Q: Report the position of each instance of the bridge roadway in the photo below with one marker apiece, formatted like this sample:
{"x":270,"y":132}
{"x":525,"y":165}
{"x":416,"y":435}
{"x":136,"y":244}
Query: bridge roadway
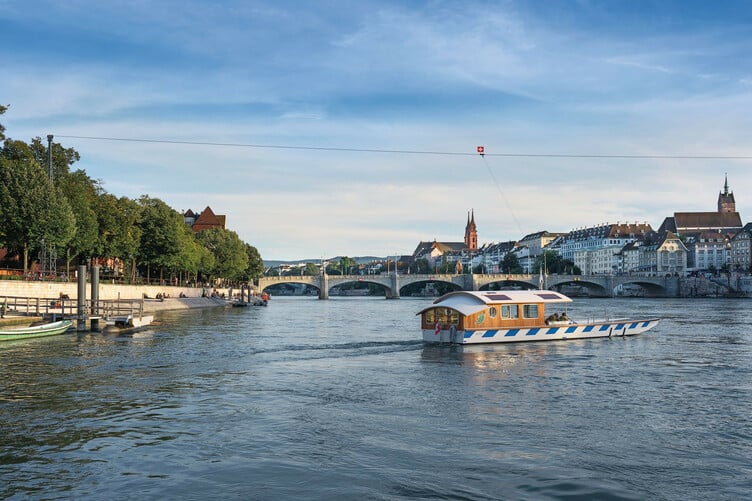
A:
{"x":595,"y":285}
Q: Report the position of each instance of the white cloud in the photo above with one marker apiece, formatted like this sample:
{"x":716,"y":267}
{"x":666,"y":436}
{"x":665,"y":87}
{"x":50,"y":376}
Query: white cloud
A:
{"x":418,"y":77}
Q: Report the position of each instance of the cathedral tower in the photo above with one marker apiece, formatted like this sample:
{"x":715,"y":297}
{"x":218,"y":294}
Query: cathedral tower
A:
{"x":471,"y":233}
{"x":726,"y":201}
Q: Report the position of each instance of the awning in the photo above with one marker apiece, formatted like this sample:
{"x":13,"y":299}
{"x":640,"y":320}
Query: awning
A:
{"x":467,"y":305}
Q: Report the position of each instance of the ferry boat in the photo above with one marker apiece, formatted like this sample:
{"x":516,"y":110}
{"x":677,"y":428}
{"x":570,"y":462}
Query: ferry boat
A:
{"x":472,"y":317}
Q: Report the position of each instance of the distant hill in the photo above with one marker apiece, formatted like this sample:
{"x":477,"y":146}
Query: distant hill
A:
{"x":271,"y":263}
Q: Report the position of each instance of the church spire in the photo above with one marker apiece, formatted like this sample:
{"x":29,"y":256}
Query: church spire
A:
{"x":726,"y":202}
{"x":471,"y":233}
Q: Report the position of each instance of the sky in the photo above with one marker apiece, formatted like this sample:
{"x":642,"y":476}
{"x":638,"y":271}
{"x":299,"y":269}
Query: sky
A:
{"x":350,"y":128}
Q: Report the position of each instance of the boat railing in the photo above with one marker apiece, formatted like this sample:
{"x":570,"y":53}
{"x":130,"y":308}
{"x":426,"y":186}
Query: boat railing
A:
{"x":64,"y":307}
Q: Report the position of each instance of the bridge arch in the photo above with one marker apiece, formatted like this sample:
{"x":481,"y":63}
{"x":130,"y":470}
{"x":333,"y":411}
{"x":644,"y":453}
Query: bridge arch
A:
{"x":592,"y":285}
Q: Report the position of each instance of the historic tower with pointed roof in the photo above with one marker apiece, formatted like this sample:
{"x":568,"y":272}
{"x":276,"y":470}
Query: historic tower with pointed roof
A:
{"x":471,"y":233}
{"x":726,"y":202}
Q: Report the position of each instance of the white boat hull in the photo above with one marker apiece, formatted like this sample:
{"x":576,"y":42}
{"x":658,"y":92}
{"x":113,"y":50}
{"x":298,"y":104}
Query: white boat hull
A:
{"x":128,"y":323}
{"x":616,"y":328}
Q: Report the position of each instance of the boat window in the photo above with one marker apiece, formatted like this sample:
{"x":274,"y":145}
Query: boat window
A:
{"x":445,"y":316}
{"x":530,"y":310}
{"x":492,"y":312}
{"x":430,"y":316}
{"x":509,"y":311}
{"x":454,"y":317}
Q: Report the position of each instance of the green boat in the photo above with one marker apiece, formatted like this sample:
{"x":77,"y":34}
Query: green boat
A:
{"x":50,"y":329}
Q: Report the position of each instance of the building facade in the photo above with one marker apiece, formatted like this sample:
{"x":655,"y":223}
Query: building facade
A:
{"x":741,"y":250}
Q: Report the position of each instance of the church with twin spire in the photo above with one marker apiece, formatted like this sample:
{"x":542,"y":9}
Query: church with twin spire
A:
{"x":432,"y":251}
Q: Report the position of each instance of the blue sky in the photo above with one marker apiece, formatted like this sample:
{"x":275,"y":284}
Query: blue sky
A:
{"x":646,"y":78}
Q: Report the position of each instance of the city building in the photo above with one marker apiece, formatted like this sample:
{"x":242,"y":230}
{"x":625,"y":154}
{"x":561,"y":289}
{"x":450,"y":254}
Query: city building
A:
{"x":450,"y":252}
{"x":708,"y":235}
{"x":710,"y":250}
{"x":724,"y":220}
{"x":606,"y":236}
{"x":741,"y":250}
{"x":539,"y":241}
{"x":492,"y":254}
{"x":204,"y":220}
{"x":671,"y":255}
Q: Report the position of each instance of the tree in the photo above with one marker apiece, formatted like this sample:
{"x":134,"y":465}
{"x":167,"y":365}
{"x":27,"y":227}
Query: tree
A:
{"x":255,"y":263}
{"x":446,"y":266}
{"x":421,"y":266}
{"x":553,"y":262}
{"x":194,"y":257}
{"x":311,"y":270}
{"x":160,"y":227}
{"x":32,"y":212}
{"x":230,"y":258}
{"x":81,"y":193}
{"x":346,"y":264}
{"x":17,"y":150}
{"x":118,"y":220}
{"x":510,"y":264}
{"x":3,"y":109}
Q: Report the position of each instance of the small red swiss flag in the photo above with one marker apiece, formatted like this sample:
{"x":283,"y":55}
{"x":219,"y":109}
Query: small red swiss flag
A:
{"x":481,"y":149}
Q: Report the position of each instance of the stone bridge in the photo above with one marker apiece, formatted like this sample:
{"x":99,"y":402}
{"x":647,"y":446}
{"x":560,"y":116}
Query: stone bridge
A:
{"x":591,"y":285}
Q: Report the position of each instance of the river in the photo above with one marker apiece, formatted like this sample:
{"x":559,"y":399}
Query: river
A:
{"x":339,"y":399}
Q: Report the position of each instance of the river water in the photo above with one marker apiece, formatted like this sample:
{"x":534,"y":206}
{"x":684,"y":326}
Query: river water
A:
{"x":339,"y":399}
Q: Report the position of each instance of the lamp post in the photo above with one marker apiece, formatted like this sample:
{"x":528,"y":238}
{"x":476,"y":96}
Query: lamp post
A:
{"x":49,"y":155}
{"x":53,"y":251}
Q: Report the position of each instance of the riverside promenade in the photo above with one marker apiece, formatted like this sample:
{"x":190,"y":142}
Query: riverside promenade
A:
{"x":47,"y":292}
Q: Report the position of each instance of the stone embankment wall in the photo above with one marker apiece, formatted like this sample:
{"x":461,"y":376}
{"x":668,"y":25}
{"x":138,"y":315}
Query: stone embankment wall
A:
{"x":721,"y":286}
{"x":107,"y":291}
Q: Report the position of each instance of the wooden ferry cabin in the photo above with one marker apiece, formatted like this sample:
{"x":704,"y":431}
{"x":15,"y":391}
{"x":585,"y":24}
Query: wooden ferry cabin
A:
{"x":466,"y":317}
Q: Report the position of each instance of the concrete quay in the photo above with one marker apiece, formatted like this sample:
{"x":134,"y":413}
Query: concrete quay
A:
{"x":51,"y":291}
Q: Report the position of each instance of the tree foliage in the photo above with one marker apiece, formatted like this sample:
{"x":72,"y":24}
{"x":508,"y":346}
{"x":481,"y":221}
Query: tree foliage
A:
{"x":74,"y":213}
{"x":230,"y":258}
{"x":32,"y":212}
{"x":552,"y":262}
{"x":510,"y":263}
{"x":3,"y":109}
{"x":255,"y":267}
{"x":62,"y":158}
{"x":81,"y":193}
{"x":160,"y":231}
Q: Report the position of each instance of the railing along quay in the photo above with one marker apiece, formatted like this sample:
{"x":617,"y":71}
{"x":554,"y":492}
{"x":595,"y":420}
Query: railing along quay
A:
{"x":64,"y":307}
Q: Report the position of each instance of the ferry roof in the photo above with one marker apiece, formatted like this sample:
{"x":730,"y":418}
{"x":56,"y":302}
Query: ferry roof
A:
{"x":469,"y":302}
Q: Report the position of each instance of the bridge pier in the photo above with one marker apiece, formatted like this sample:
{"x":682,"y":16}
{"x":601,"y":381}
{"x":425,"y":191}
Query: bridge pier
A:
{"x":394,"y":293}
{"x":324,"y":286}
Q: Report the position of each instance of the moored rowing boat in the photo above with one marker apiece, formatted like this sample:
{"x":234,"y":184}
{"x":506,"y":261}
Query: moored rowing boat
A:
{"x":48,"y":329}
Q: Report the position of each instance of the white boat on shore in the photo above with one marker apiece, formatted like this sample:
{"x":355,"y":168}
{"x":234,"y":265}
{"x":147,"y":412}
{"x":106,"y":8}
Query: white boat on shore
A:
{"x":474,"y":317}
